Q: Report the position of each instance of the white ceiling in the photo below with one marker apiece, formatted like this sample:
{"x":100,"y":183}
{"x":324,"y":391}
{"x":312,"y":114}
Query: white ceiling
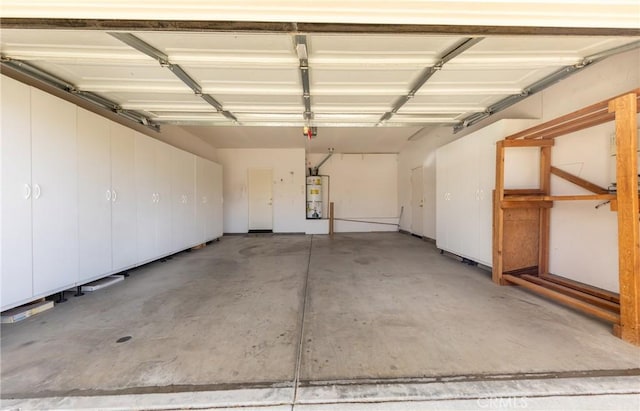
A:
{"x":355,"y":80}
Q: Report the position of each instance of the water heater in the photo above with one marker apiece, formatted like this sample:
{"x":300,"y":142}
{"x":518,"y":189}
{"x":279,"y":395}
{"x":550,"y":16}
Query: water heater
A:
{"x":314,"y":197}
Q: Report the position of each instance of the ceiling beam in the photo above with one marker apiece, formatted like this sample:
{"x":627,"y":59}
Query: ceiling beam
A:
{"x":428,"y":72}
{"x":162,"y":58}
{"x":542,"y":84}
{"x":288,"y":27}
{"x":44,"y":77}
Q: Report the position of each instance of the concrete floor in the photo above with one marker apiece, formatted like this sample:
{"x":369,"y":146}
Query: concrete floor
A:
{"x":278,"y":320}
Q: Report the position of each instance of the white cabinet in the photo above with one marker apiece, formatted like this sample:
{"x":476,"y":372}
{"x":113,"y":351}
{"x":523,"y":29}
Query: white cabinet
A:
{"x":214,"y":222}
{"x":17,"y":192}
{"x":55,"y":192}
{"x":123,"y":198}
{"x":209,"y":200}
{"x":153,"y":175}
{"x":94,"y":195}
{"x":183,"y":192}
{"x":39,"y":194}
{"x":163,"y":199}
{"x":444,"y":168}
{"x":83,"y":197}
{"x":465,"y":179}
{"x":106,"y":197}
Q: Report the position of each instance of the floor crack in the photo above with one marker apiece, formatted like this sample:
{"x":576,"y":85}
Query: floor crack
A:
{"x":296,"y":377}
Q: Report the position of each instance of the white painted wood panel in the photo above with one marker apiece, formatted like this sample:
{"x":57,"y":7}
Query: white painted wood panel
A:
{"x":55,"y":191}
{"x":16,"y":240}
{"x":123,"y":197}
{"x":94,"y":196}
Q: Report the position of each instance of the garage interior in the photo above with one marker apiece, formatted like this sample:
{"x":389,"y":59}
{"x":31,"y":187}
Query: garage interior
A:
{"x":322,"y":207}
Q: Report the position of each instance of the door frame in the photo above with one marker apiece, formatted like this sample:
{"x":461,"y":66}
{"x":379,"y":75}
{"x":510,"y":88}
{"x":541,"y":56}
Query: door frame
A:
{"x":412,"y":229}
{"x":249,"y":171}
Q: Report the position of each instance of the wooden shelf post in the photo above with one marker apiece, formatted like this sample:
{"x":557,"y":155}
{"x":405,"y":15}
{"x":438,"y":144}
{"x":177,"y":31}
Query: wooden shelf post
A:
{"x":625,"y":109}
{"x":498,"y":215}
{"x":545,"y":213}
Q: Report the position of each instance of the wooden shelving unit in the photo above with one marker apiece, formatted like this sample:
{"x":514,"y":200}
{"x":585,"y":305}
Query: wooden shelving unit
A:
{"x":521,"y":217}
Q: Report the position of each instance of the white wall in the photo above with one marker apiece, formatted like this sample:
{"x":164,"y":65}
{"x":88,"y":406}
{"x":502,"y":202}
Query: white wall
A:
{"x":583,"y":239}
{"x":362,"y":187}
{"x":288,"y":167}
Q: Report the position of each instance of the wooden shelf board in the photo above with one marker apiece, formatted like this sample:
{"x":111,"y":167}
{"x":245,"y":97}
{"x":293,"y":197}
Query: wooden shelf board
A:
{"x":526,"y":204}
{"x":572,"y":292}
{"x":562,"y":197}
{"x":565,"y":299}
{"x":585,"y":288}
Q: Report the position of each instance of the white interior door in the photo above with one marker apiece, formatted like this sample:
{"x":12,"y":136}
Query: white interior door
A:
{"x":55,"y":193}
{"x":417,"y":201}
{"x":94,"y":195}
{"x":16,"y":240}
{"x":123,"y":200}
{"x":260,"y":199}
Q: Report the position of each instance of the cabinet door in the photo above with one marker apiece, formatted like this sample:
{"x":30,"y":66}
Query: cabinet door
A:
{"x":442,"y":196}
{"x":216,"y":201}
{"x":183,"y":200}
{"x":146,"y":197}
{"x":94,"y":195}
{"x":55,"y":193}
{"x":123,"y":197}
{"x":191,"y":232}
{"x":15,"y":243}
{"x":486,"y":184}
{"x":203,"y":200}
{"x":163,"y":176}
{"x":468,"y":201}
{"x":455,"y":221}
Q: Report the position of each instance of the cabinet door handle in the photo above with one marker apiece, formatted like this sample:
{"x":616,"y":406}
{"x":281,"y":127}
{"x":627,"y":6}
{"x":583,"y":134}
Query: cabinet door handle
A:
{"x":153,"y":197}
{"x":157,"y":197}
{"x":36,"y":191}
{"x":27,"y":191}
{"x":114,"y":195}
{"x":108,"y":195}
